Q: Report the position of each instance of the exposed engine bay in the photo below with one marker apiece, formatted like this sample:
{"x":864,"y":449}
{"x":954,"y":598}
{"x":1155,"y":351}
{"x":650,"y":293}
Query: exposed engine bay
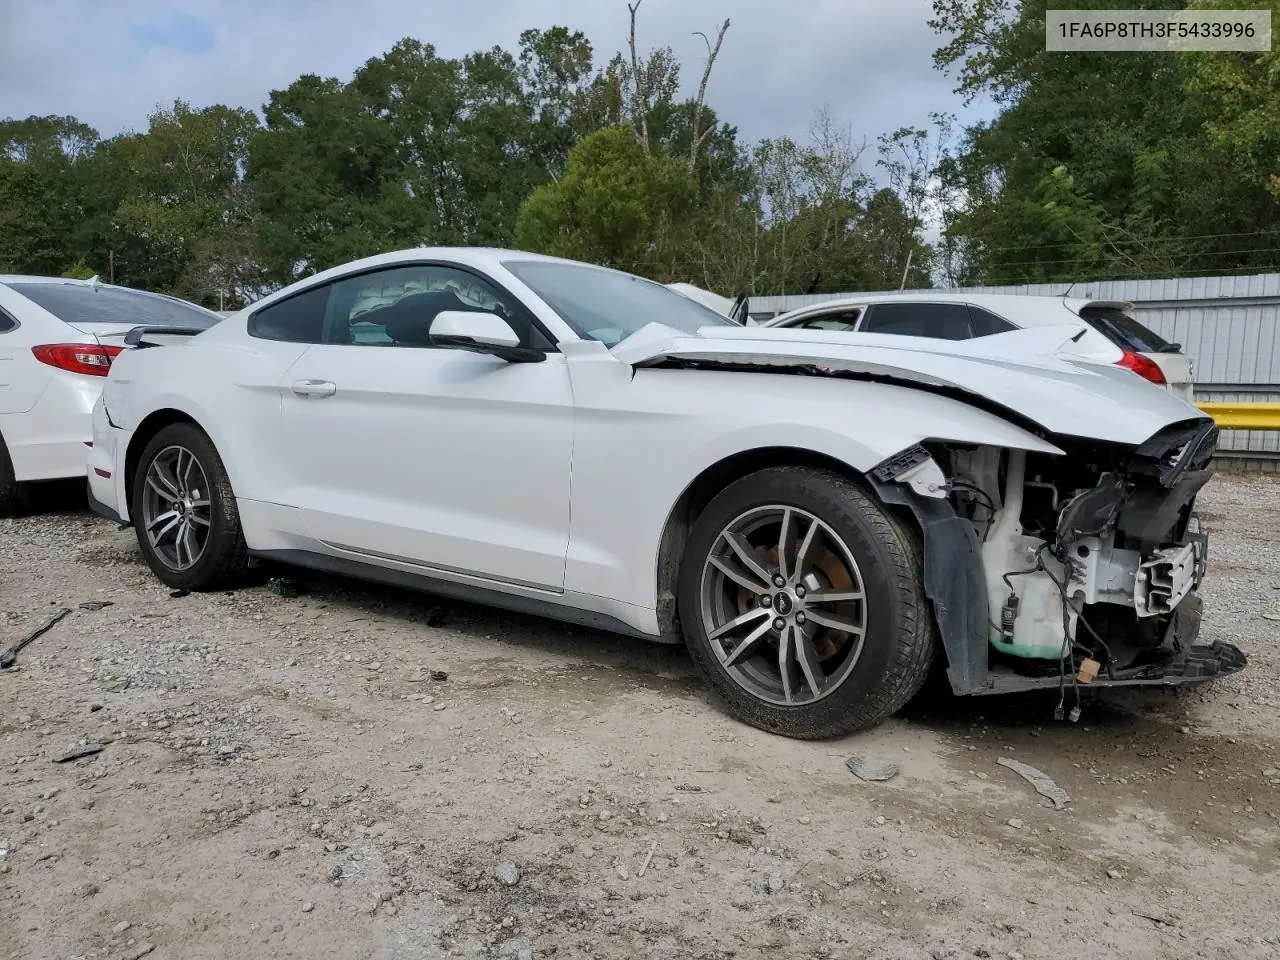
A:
{"x":1088,"y":562}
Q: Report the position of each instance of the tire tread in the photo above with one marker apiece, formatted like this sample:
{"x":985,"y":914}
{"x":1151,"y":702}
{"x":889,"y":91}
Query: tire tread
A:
{"x":228,"y":562}
{"x":915,"y":642}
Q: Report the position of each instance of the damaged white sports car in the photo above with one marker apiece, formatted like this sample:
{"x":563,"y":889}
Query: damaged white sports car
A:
{"x":820,"y":518}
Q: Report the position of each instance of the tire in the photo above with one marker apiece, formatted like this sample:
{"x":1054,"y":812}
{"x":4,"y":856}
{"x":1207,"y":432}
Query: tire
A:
{"x":223,"y":557}
{"x":14,"y":495}
{"x":860,"y":681}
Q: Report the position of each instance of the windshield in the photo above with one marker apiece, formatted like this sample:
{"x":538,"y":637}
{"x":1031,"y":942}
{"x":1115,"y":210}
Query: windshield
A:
{"x":609,"y":306}
{"x":82,"y":303}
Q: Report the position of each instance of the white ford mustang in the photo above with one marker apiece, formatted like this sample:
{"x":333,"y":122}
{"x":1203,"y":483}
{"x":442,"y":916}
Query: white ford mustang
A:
{"x":821,"y":517}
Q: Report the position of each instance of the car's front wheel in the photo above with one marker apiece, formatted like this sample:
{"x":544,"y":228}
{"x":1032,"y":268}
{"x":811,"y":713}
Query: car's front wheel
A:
{"x":801,"y":601}
{"x":184,"y":511}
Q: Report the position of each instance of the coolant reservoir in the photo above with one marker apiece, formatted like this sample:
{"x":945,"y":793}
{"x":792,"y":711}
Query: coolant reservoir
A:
{"x":1038,"y":629}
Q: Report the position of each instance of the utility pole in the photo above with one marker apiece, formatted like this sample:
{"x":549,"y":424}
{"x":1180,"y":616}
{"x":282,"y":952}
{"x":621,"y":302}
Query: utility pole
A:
{"x":111,"y":266}
{"x":906,"y":270}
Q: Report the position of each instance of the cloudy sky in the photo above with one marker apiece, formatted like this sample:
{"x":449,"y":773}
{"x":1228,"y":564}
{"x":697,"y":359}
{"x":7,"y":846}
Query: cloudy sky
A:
{"x":109,"y":62}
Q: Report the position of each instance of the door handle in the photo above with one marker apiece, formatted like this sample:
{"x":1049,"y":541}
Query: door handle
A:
{"x":314,"y":388}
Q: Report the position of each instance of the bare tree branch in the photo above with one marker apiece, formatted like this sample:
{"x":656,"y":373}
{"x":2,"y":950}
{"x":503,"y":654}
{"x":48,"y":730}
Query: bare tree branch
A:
{"x":640,"y":115}
{"x":700,"y":137}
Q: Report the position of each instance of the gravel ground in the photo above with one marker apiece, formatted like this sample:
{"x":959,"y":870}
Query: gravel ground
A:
{"x":360,"y":772}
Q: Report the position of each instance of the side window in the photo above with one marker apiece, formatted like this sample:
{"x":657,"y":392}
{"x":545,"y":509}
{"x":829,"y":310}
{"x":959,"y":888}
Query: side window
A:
{"x":939,"y":321}
{"x":298,"y":319}
{"x":7,"y":322}
{"x":985,"y":323}
{"x":844,"y":321}
{"x":395,"y":307}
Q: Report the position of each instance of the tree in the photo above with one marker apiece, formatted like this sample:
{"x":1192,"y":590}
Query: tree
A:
{"x":615,"y":204}
{"x":915,"y":160}
{"x":172,"y":188}
{"x":1240,"y":90}
{"x":43,"y":192}
{"x":79,"y":271}
{"x":811,"y":199}
{"x":416,"y":148}
{"x":1105,"y":119}
{"x":650,"y":84}
{"x":555,"y":72}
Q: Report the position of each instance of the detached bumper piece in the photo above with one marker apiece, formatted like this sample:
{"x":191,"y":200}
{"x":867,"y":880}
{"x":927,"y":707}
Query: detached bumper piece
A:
{"x":1202,"y":662}
{"x":1177,"y":661}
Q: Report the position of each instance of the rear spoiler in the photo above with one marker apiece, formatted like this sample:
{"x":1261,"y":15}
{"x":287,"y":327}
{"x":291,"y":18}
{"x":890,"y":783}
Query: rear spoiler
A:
{"x":134,"y":338}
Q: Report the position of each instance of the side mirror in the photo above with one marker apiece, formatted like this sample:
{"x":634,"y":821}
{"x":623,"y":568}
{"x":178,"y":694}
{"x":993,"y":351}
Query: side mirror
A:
{"x":462,"y":328}
{"x":481,"y":333}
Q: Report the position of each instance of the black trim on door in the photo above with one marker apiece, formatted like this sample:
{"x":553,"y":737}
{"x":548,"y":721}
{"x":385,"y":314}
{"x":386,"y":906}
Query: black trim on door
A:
{"x":462,"y":268}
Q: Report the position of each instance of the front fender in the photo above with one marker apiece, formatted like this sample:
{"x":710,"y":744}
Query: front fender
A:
{"x":644,"y":438}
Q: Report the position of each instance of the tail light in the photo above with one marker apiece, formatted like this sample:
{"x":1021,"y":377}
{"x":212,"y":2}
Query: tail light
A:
{"x":91,"y":359}
{"x":1144,"y":367}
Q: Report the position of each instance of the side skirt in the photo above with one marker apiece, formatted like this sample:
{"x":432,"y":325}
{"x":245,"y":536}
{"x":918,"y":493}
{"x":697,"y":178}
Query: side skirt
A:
{"x":472,"y":593}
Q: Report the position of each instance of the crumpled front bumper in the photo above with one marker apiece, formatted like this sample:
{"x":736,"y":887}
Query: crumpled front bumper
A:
{"x":1178,"y":660}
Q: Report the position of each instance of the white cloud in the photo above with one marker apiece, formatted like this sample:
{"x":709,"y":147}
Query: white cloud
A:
{"x":869,"y":60}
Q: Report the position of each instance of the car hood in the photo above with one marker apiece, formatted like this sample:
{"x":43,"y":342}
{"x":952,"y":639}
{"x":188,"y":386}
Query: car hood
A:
{"x":1030,"y":373}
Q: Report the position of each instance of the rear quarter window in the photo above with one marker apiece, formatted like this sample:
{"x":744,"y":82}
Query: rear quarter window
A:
{"x":296,"y":319}
{"x":985,"y":323}
{"x":1126,"y":332}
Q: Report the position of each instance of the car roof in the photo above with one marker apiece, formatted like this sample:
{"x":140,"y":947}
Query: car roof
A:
{"x":7,"y":278}
{"x":1023,"y":308}
{"x":474,"y":256}
{"x":481,"y":258}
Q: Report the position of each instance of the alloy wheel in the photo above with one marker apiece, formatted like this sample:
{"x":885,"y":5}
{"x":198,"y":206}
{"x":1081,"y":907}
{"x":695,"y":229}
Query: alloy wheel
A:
{"x":176,"y":511}
{"x":783,"y":604}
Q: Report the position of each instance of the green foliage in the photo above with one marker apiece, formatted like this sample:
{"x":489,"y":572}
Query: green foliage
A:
{"x":615,"y":204}
{"x":1241,"y":92}
{"x":1097,"y":164}
{"x":79,"y":271}
{"x":1100,"y":163}
{"x":43,"y":192}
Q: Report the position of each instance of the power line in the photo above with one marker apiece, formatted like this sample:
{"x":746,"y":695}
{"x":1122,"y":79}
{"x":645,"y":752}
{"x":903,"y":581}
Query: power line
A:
{"x":1203,"y":254}
{"x":1206,"y":236}
{"x":1122,"y":275}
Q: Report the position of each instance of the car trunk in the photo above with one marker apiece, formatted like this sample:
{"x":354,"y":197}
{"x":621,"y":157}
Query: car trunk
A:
{"x":1114,"y":322}
{"x":107,"y":333}
{"x":112,"y":334}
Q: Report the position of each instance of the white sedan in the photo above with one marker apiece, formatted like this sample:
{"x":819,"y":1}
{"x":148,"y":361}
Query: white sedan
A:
{"x":819,"y":517}
{"x":1110,"y":332}
{"x":57,"y":340}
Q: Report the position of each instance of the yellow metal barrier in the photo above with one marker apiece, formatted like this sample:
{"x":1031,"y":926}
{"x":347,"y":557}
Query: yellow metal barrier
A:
{"x":1244,"y":416}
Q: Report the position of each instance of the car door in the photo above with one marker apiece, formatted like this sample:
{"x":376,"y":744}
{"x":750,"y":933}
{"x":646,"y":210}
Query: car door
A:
{"x":443,"y":458}
{"x":22,"y":377}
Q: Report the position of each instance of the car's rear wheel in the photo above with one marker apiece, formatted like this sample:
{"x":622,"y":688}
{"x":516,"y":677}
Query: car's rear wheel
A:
{"x":13,"y":494}
{"x":184,"y":512}
{"x":801,"y":601}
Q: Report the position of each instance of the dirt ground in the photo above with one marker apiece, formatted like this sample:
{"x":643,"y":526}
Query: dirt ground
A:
{"x":283,"y":777}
